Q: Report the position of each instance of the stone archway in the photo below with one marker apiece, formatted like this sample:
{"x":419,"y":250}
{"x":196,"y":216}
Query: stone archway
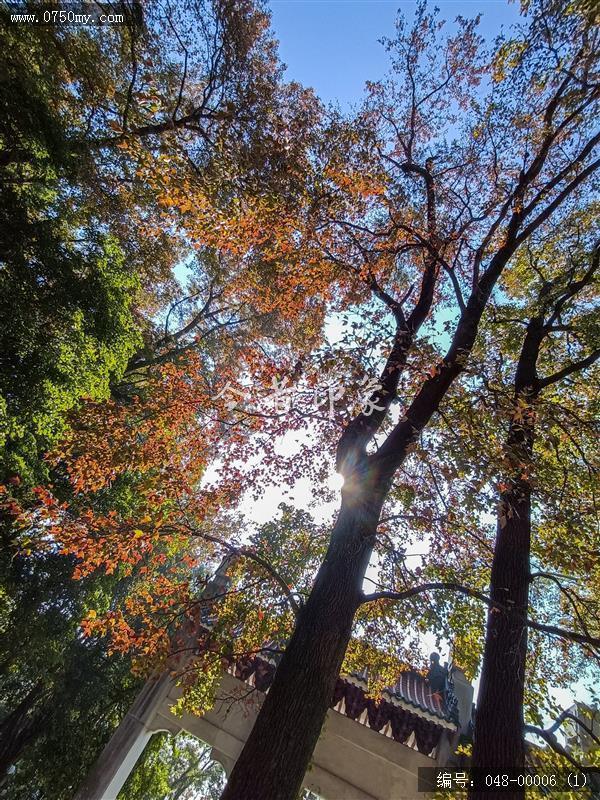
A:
{"x":367,"y":750}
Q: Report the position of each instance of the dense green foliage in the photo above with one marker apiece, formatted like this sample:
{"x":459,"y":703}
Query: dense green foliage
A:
{"x":67,"y":330}
{"x":66,"y":309}
{"x":59,"y":684}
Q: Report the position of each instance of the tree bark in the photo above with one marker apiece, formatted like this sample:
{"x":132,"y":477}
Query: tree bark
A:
{"x":499,"y":743}
{"x":274,"y":760}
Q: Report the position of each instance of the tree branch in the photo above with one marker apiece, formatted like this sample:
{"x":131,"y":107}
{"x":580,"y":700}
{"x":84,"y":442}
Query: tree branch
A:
{"x":247,"y":552}
{"x":567,"y":715}
{"x":553,"y":630}
{"x":551,"y":739}
{"x":359,"y":431}
{"x":576,"y":366}
{"x":426,"y":587}
{"x":562,"y":633}
{"x":457,"y":290}
{"x":558,"y":200}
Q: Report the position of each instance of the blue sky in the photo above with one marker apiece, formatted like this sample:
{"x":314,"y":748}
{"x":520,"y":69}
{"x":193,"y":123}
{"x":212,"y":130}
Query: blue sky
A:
{"x":332,"y":45}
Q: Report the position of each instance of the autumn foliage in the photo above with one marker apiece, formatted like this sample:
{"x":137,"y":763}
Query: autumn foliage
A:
{"x":407,"y":294}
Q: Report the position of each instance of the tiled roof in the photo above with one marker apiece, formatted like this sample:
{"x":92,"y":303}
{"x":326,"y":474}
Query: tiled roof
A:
{"x":407,"y":712}
{"x":412,"y":688}
{"x":412,"y":692}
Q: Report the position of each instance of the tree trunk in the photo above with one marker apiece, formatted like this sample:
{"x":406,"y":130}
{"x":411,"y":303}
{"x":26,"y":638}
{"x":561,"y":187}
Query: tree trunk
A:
{"x":499,"y":743}
{"x":273,"y":762}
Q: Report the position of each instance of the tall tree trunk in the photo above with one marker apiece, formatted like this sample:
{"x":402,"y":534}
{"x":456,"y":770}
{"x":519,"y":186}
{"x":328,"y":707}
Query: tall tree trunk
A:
{"x":499,"y":743}
{"x":274,"y":760}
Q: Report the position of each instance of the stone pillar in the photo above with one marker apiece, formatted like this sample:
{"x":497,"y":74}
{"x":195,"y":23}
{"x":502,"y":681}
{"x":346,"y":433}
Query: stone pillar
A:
{"x":127,"y":743}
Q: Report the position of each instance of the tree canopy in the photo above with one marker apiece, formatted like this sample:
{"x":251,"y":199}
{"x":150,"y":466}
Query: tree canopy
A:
{"x":446,"y":230}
